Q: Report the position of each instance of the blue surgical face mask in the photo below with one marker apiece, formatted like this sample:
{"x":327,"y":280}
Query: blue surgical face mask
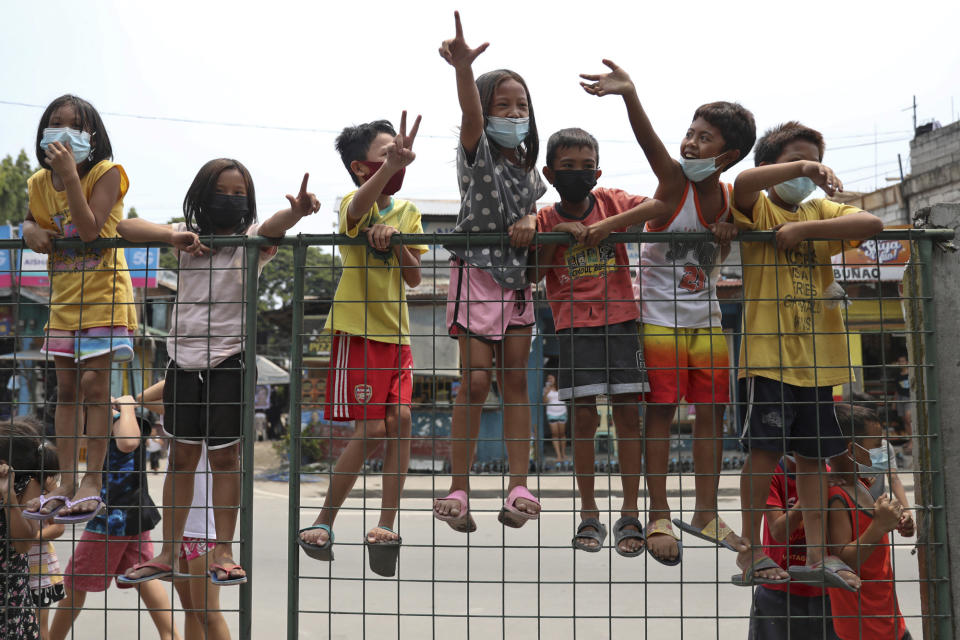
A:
{"x":508,"y":132}
{"x":879,"y":462}
{"x":79,"y":141}
{"x":698,"y":169}
{"x":795,"y":191}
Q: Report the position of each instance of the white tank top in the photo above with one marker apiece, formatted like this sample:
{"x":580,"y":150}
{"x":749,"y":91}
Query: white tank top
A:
{"x":200,"y":523}
{"x":678,"y":279}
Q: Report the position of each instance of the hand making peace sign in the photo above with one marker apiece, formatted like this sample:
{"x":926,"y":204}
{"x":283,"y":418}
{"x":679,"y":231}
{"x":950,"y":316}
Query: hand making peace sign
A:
{"x":456,"y":51}
{"x":400,"y":152}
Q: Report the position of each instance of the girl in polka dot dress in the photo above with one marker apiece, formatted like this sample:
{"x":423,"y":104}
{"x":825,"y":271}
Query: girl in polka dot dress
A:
{"x":489,"y":306}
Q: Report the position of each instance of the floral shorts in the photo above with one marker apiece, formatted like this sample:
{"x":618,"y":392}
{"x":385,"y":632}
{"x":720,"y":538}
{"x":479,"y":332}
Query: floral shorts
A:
{"x":90,"y":343}
{"x":193,"y":548}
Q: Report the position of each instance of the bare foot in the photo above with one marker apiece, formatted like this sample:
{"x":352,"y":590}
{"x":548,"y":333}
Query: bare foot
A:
{"x":631,"y":545}
{"x":230,"y":570}
{"x":748,"y":558}
{"x":583,"y":540}
{"x":663,"y":546}
{"x":142,"y":571}
{"x":447,"y":507}
{"x":527,"y":506}
{"x":89,"y":488}
{"x":316,"y":537}
{"x":703,"y":518}
{"x":380,"y":534}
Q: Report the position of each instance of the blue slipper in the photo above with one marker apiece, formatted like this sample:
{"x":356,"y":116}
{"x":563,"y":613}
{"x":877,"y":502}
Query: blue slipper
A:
{"x":323,"y":551}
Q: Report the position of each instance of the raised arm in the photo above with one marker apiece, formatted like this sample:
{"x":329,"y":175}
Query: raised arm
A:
{"x":20,"y":531}
{"x":751,"y":182}
{"x":460,"y":56}
{"x":152,"y":397}
{"x":126,"y":428}
{"x":399,"y":155}
{"x":618,"y":82}
{"x":304,"y":204}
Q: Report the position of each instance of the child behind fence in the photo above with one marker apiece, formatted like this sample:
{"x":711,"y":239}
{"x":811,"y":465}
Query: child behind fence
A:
{"x":21,"y":479}
{"x":78,"y":193}
{"x":46,"y":579}
{"x":204,"y":384}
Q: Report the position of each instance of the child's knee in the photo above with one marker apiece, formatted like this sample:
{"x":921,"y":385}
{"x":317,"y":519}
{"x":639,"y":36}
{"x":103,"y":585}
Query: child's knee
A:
{"x":399,"y":421}
{"x":66,"y":393}
{"x":479,"y":386}
{"x":515,"y":381}
{"x":95,"y":385}
{"x":376,"y":428}
{"x":225,"y":459}
{"x":184,"y":457}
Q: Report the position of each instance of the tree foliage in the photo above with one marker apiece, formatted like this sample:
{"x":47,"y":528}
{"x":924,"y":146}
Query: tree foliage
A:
{"x":13,"y":188}
{"x":320,"y":278}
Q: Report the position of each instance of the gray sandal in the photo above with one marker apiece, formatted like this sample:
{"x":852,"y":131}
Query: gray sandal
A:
{"x":620,"y":533}
{"x":598,"y":533}
{"x":825,"y":572}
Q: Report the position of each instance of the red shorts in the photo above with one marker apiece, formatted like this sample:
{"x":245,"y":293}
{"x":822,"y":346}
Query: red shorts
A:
{"x":98,"y":558}
{"x":686,"y":363}
{"x":366,"y":377}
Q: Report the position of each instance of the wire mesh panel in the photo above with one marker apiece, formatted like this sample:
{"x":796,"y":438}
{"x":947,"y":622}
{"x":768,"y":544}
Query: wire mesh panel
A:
{"x":526,"y":478}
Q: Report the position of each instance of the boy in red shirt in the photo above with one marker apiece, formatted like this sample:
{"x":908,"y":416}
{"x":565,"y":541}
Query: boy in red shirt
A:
{"x":791,"y":610}
{"x":858,"y":533}
{"x":591,"y":296}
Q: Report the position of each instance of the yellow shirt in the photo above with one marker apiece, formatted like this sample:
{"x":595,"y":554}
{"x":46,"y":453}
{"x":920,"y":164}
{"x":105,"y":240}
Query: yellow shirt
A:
{"x":791,"y":333}
{"x":89,"y":287}
{"x":371,"y":299}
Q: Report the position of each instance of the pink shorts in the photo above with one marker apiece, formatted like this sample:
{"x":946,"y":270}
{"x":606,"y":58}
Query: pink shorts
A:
{"x":479,"y":307}
{"x":98,"y":558}
{"x":90,"y":343}
{"x":366,"y":377}
{"x":193,"y":548}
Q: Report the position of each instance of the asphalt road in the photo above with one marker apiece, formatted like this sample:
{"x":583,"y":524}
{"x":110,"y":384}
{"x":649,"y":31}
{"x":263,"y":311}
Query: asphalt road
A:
{"x":495,"y":583}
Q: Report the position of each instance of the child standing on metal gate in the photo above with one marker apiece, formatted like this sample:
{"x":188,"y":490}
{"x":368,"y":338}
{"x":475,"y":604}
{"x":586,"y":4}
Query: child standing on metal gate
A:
{"x":490,"y":304}
{"x":684,"y":345}
{"x":794,"y":348}
{"x":591,"y":297}
{"x":203,"y":389}
{"x":78,"y":193}
{"x":371,"y":365}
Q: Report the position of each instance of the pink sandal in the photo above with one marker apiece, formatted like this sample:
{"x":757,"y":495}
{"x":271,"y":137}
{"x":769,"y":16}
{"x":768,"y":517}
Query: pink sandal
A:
{"x":513,"y":517}
{"x":463,"y":522}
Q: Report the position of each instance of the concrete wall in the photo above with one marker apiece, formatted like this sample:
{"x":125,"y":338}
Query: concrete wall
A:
{"x":934,"y":168}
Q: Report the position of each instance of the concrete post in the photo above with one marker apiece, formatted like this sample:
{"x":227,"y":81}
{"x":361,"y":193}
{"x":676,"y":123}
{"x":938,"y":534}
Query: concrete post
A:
{"x":932,"y":314}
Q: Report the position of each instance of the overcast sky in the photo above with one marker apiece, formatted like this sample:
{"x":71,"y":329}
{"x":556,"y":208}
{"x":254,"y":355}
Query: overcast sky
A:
{"x":291,"y":75}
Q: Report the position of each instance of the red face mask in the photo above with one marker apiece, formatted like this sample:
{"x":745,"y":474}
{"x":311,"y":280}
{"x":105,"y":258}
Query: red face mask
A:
{"x":393,"y":185}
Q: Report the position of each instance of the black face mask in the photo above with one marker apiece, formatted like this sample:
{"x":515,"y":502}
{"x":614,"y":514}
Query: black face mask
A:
{"x":226,"y":211}
{"x":574,"y":185}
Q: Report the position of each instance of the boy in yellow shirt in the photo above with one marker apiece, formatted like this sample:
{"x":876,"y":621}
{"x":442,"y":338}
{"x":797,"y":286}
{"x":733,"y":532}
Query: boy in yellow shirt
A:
{"x":371,"y":366}
{"x":794,"y":348}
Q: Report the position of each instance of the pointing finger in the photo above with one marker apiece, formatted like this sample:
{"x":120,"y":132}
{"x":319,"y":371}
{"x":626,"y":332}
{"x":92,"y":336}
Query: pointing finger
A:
{"x":459,"y":27}
{"x":303,"y":185}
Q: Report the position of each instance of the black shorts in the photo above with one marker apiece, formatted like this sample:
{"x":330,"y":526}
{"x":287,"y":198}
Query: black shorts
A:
{"x":786,"y":418}
{"x":46,"y":596}
{"x":206,"y":404}
{"x":775,"y":617}
{"x":605,"y":360}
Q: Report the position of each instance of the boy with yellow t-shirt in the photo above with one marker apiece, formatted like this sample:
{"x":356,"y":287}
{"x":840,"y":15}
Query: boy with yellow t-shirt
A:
{"x":371,"y":367}
{"x":794,"y":348}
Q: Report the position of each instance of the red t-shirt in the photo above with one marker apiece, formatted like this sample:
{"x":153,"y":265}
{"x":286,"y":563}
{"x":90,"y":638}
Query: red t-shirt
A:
{"x":872,"y":612}
{"x":783,"y":494}
{"x":589,"y":287}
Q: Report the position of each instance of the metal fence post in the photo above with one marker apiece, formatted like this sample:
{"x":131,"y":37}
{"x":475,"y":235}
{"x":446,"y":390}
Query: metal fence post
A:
{"x":252,"y":254}
{"x":293,"y":452}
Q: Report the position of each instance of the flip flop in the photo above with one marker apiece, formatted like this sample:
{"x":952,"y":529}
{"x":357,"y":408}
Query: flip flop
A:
{"x":39,"y":514}
{"x":825,"y":572}
{"x":620,"y":533}
{"x":323,"y":551}
{"x":80,"y":518}
{"x":663,"y":526}
{"x":716,"y":531}
{"x":164,"y":571}
{"x":464,"y":522}
{"x":599,"y":533}
{"x":513,"y":517}
{"x":764,"y":562}
{"x":228,"y":569}
{"x":384,"y":554}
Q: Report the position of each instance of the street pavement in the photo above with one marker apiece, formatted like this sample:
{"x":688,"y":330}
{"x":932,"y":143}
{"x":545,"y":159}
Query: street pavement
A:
{"x":495,"y":583}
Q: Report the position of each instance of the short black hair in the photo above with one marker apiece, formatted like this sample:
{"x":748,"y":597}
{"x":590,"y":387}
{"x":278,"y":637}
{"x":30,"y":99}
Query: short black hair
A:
{"x":203,"y":188}
{"x":854,"y":418}
{"x":771,"y":145}
{"x":353,"y":143}
{"x":572,"y":138}
{"x":90,"y":121}
{"x":487,"y":85}
{"x":22,"y":447}
{"x":736,"y":125}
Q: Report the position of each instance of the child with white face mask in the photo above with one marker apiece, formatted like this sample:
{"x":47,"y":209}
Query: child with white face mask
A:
{"x":78,"y":193}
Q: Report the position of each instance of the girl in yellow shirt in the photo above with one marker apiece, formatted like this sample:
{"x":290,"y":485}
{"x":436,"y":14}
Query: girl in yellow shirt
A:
{"x":78,"y":193}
